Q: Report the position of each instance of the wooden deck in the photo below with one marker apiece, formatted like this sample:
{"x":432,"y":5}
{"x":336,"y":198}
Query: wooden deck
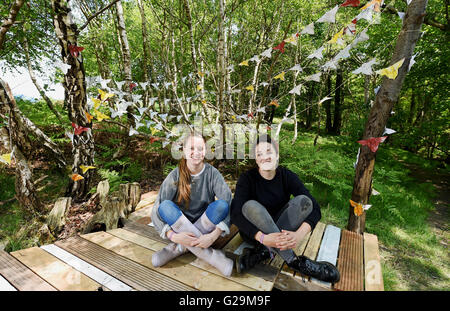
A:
{"x":120,"y":260}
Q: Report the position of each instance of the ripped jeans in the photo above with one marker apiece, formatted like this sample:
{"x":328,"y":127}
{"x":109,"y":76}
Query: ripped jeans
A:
{"x":290,"y":218}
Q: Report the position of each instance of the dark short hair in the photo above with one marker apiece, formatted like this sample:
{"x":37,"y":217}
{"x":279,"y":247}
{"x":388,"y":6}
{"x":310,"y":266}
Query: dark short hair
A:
{"x":265,"y":138}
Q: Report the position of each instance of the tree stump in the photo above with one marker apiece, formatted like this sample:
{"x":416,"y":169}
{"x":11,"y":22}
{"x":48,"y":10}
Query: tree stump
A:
{"x":113,"y":206}
{"x":56,"y":219}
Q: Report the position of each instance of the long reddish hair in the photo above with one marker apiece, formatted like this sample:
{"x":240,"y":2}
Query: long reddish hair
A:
{"x":184,"y":179}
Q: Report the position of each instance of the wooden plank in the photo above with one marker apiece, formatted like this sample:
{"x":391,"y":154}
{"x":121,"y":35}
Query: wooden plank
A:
{"x":222,"y":241}
{"x":20,"y":276}
{"x":328,"y":249}
{"x":233,"y":244}
{"x":5,"y":286}
{"x":144,"y":230}
{"x":187,"y":274}
{"x":287,"y":282}
{"x":247,"y":280}
{"x":94,"y":273}
{"x":59,"y":274}
{"x":372,"y":268}
{"x":312,"y":248}
{"x":122,"y":268}
{"x":350,"y":262}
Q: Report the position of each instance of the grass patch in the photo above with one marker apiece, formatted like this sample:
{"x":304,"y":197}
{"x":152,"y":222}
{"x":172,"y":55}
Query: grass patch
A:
{"x":412,"y":257}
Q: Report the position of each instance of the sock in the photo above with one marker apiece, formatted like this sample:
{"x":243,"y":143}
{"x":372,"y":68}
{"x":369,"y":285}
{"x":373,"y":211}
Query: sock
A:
{"x":204,"y":224}
{"x":168,"y":253}
{"x":212,"y":256}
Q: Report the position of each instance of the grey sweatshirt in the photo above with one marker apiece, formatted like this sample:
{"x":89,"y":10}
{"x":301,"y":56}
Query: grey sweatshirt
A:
{"x":205,"y":186}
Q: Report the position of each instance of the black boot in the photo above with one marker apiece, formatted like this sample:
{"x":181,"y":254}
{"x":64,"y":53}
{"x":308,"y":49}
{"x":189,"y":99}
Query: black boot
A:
{"x":250,"y":257}
{"x":320,"y":270}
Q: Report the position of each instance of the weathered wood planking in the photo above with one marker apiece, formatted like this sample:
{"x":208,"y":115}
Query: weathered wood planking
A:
{"x":187,"y":274}
{"x":94,"y":273}
{"x":20,"y":276}
{"x":328,"y":249}
{"x":59,"y":274}
{"x":372,"y":267}
{"x":122,"y":268}
{"x":312,"y":248}
{"x":6,"y":286}
{"x":188,"y":258}
{"x":350,"y":262}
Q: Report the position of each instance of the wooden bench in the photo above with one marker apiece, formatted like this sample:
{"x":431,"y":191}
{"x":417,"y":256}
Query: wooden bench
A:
{"x":120,"y":259}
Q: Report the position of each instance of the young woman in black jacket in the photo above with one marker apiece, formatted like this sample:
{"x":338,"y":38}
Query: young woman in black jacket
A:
{"x":269,"y":219}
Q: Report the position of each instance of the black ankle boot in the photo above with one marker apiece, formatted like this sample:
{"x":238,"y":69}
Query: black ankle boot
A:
{"x":250,"y":257}
{"x":320,"y":270}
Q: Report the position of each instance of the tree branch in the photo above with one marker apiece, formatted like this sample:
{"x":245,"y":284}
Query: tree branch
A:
{"x":96,"y":14}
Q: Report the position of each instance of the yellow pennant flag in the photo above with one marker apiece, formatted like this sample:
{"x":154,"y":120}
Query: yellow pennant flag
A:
{"x":244,"y":63}
{"x":153,"y":130}
{"x":336,"y":36}
{"x":97,"y":102}
{"x":6,"y":158}
{"x":250,"y":88}
{"x":201,"y":74}
{"x":392,"y":71}
{"x":280,"y":76}
{"x":86,"y":168}
{"x":203,"y":101}
{"x":100,"y":116}
{"x":199,"y":87}
{"x":103,"y":95}
{"x":292,"y":40}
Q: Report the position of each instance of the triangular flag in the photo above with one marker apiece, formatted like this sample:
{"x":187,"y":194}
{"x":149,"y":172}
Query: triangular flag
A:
{"x":366,"y":68}
{"x":86,"y":168}
{"x":388,"y":131}
{"x":296,"y":89}
{"x":309,"y":29}
{"x":292,"y":39}
{"x":353,"y":3}
{"x":280,"y":47}
{"x":280,"y":76}
{"x":267,"y":53}
{"x":392,"y":71}
{"x":372,"y":142}
{"x":250,"y":88}
{"x":317,"y":53}
{"x":76,"y":177}
{"x":359,"y":208}
{"x":401,"y":15}
{"x":330,"y":16}
{"x":6,"y":158}
{"x":244,"y":63}
{"x":315,"y":77}
{"x":412,"y":62}
{"x":297,"y":67}
{"x":336,"y":36}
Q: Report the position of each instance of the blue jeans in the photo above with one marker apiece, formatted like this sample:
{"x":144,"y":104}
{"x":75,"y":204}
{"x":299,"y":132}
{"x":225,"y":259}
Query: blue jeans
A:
{"x":170,"y":212}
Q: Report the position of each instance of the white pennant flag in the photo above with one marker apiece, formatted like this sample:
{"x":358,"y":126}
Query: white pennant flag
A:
{"x":309,"y":29}
{"x":401,"y":15}
{"x":317,"y":53}
{"x":331,"y":64}
{"x":104,"y":82}
{"x":366,"y":68}
{"x":297,"y":67}
{"x":267,"y":53}
{"x":366,"y":14}
{"x":363,"y":36}
{"x":315,"y":77}
{"x":330,"y":16}
{"x":255,"y":59}
{"x":63,"y":66}
{"x":412,"y":62}
{"x":344,"y":53}
{"x":296,"y":89}
{"x":264,"y":84}
{"x":325,"y":99}
{"x":388,"y":131}
{"x":132,"y":131}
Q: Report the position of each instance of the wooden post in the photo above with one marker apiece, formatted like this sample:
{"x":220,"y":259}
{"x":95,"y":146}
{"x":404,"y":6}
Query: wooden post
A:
{"x":381,"y":109}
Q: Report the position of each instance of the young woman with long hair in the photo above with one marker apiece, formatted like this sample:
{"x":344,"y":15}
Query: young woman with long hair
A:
{"x":269,"y":219}
{"x":186,"y":212}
